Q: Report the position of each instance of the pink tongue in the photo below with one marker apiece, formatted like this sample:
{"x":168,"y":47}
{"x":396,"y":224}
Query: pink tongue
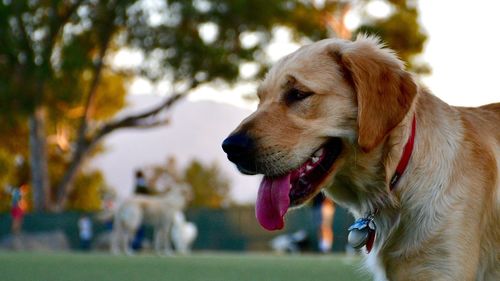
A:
{"x":273,"y":202}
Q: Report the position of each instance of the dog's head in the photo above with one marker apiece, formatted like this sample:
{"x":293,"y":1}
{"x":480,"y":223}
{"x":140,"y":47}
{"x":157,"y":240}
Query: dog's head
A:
{"x":315,"y":103}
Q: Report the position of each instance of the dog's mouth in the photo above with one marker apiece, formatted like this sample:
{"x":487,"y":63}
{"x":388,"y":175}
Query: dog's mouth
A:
{"x":277,"y":194}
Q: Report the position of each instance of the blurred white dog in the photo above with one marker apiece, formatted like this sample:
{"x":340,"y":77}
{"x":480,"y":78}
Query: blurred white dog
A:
{"x":183,"y":233}
{"x":158,"y":211}
{"x":290,"y":243}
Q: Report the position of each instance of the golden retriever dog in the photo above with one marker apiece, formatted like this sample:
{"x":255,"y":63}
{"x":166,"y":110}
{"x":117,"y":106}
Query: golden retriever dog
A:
{"x":422,"y":177}
{"x":158,"y":211}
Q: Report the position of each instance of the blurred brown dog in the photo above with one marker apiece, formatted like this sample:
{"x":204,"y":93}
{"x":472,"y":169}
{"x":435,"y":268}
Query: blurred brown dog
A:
{"x":337,"y":115}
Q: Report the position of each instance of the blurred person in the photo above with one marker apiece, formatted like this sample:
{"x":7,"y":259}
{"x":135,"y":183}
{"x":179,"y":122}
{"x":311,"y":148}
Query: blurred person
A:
{"x":85,"y":232}
{"x":327,"y":213}
{"x":141,"y":186}
{"x":139,"y":237}
{"x":108,"y":209}
{"x":18,"y":207}
{"x":323,"y":212}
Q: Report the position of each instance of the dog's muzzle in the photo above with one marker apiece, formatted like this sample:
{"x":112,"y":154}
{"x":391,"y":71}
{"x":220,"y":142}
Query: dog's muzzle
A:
{"x":240,"y":149}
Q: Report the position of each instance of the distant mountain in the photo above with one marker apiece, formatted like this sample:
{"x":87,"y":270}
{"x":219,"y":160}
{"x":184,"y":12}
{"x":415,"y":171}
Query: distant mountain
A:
{"x":196,"y":131}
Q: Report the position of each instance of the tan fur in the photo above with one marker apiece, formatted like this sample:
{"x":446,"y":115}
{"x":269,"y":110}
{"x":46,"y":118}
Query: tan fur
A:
{"x":442,"y":220}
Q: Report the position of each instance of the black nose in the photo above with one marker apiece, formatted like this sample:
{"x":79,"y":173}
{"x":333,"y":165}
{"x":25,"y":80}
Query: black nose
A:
{"x":238,"y":145}
{"x":240,"y":150}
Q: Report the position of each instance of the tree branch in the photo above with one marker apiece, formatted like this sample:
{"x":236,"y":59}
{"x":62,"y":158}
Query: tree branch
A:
{"x":141,"y":120}
{"x":25,"y":39}
{"x":82,"y":146}
{"x":82,"y":131}
{"x":56,"y":23}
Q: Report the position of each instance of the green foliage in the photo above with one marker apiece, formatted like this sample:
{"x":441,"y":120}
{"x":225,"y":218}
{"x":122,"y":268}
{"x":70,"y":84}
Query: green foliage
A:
{"x":47,"y":45}
{"x":87,"y":192}
{"x":111,"y":91}
{"x":176,"y":42}
{"x":53,"y":53}
{"x":210,"y":188}
{"x":15,"y":172}
{"x":14,"y":135}
{"x":401,"y":32}
{"x":7,"y":168}
{"x":6,"y":178}
{"x":4,"y":202}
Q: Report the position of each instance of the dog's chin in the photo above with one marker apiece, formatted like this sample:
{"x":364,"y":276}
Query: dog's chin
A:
{"x":245,"y":171}
{"x":309,"y":178}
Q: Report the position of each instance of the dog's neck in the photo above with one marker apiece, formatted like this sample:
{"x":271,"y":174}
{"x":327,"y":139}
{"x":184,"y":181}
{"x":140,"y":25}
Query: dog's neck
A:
{"x":363,"y":182}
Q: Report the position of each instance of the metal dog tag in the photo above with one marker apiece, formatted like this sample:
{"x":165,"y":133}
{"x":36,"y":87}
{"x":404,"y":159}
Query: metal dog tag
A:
{"x":360,"y":232}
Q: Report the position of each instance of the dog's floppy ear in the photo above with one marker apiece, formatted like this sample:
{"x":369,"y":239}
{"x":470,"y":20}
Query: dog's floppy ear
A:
{"x":384,"y":90}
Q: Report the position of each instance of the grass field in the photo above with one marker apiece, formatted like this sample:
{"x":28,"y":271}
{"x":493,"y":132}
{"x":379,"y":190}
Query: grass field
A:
{"x":199,"y":267}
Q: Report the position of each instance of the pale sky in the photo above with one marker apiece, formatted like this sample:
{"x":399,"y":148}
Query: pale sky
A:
{"x":463,"y":50}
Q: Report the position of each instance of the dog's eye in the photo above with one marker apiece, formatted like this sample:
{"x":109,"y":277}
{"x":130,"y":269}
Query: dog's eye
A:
{"x":294,"y":95}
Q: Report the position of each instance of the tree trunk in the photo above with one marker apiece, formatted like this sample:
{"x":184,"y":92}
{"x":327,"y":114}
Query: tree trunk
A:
{"x":64,"y":187}
{"x":39,"y":161}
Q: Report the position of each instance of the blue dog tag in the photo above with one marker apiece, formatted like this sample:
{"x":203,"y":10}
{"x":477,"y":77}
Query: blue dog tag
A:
{"x":361,"y":231}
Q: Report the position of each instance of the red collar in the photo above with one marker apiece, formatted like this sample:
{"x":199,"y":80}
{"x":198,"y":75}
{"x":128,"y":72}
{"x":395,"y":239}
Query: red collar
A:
{"x":403,"y":163}
{"x":400,"y":169}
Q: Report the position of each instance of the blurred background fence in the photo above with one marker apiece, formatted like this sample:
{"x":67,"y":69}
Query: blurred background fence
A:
{"x":230,"y":229}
